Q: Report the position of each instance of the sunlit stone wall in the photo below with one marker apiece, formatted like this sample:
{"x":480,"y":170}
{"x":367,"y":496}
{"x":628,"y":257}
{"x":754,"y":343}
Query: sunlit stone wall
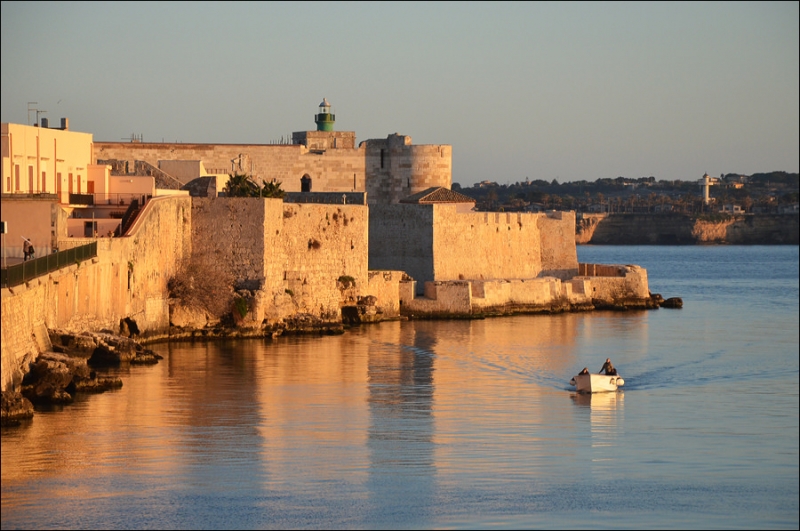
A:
{"x":294,"y":253}
{"x":333,"y":170}
{"x":128,"y":278}
{"x":396,"y":169}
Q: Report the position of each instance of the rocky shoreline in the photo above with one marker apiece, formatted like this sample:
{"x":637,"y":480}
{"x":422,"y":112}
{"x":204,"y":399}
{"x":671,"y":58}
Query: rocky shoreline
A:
{"x":56,"y":376}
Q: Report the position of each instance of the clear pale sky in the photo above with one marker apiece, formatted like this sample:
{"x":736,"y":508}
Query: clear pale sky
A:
{"x":565,"y":91}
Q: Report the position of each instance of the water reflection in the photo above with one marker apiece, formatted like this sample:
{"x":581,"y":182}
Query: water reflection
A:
{"x":606,"y":413}
{"x":402,"y":471}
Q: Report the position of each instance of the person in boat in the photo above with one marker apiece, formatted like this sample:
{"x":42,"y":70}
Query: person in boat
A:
{"x":608,"y":368}
{"x":584,"y":371}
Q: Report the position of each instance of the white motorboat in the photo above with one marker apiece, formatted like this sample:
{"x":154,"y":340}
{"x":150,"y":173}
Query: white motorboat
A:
{"x":596,"y":383}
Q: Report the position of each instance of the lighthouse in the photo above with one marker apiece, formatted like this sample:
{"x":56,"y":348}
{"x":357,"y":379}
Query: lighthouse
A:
{"x":324,"y":119}
{"x":706,"y":182}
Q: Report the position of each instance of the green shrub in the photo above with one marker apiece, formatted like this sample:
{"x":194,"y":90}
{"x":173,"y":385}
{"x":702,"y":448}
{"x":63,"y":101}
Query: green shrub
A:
{"x":241,"y":306}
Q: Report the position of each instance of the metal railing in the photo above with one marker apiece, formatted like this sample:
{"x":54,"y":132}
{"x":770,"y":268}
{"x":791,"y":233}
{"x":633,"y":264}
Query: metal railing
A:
{"x":21,"y":273}
{"x":81,"y":199}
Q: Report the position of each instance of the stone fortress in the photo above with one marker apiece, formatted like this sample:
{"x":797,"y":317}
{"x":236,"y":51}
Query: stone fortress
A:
{"x":365,"y":234}
{"x":324,"y":160}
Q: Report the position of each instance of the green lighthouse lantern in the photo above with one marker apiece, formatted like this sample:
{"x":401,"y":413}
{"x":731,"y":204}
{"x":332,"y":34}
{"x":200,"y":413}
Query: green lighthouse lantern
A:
{"x":324,"y":119}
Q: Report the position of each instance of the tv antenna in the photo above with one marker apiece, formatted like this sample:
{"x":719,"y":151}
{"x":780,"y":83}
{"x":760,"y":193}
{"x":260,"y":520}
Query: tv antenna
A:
{"x":34,"y":109}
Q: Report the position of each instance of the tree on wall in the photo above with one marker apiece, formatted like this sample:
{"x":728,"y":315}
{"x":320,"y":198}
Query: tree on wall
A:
{"x":242,"y":185}
{"x":272,"y":189}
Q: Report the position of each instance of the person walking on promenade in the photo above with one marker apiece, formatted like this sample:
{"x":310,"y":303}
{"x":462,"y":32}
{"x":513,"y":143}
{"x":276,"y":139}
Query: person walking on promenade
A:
{"x":26,"y":249}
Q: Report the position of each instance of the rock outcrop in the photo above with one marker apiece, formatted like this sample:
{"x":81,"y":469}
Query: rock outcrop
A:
{"x":14,"y":408}
{"x":683,"y":229}
{"x":55,"y":376}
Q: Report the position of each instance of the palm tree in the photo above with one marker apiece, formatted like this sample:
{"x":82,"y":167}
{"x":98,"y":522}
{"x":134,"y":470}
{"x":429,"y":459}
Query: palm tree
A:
{"x":272,"y":189}
{"x":240,"y":185}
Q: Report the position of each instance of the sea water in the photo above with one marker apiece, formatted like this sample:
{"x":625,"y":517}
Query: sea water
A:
{"x":451,"y":424}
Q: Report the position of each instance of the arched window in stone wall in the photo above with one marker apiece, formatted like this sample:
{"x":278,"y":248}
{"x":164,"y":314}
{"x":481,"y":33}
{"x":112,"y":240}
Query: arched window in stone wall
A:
{"x":305,"y":183}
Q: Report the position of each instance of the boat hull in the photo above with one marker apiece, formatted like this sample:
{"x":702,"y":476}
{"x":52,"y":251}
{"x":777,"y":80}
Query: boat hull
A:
{"x":596,"y":383}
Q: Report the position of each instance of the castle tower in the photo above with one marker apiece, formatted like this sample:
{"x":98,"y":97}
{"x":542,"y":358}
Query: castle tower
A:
{"x":324,"y":119}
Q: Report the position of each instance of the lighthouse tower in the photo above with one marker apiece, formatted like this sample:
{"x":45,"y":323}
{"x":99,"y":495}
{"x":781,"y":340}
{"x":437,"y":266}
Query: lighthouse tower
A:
{"x":706,"y":182}
{"x":324,"y":119}
{"x":325,"y":138}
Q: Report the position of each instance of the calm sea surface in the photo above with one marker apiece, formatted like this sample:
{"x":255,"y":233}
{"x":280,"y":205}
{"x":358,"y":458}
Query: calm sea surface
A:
{"x":451,"y":424}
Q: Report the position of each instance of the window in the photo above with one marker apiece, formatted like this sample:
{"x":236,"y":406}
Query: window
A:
{"x":16,"y":177}
{"x":305,"y":183}
{"x":30,"y":179}
{"x":44,"y":181}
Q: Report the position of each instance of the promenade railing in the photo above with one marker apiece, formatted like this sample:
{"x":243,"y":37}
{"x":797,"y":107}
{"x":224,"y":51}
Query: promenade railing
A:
{"x":20,"y":273}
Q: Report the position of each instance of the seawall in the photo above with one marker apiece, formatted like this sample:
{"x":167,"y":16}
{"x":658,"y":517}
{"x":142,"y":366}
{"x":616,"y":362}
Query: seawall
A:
{"x":128,"y":278}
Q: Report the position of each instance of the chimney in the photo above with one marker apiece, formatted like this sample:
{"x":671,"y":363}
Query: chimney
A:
{"x":45,"y":123}
{"x":65,"y":124}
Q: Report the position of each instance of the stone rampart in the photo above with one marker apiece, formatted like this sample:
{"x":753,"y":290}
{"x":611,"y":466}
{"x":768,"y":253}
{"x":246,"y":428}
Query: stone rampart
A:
{"x":627,"y":287}
{"x":529,"y":292}
{"x":485,"y":245}
{"x":128,"y":278}
{"x":401,"y":238}
{"x":334,"y":170}
{"x":323,"y":243}
{"x":295,"y":254}
{"x":559,"y":256}
{"x":438,"y":243}
{"x":385,"y":286}
{"x":396,"y":169}
{"x":387,"y":169}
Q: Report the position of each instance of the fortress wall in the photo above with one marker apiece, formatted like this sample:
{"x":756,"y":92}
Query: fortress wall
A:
{"x":325,"y":139}
{"x":332,"y":170}
{"x":128,"y":278}
{"x":539,"y":291}
{"x":559,"y":253}
{"x":377,"y":168}
{"x":396,"y":169}
{"x":159,"y":242}
{"x":228,"y":234}
{"x":610,"y":290}
{"x":275,"y":246}
{"x":401,"y":238}
{"x":322,"y":243}
{"x":22,"y":313}
{"x":442,"y":298}
{"x":427,"y":166}
{"x":385,"y":286}
{"x":339,"y":170}
{"x":486,"y":245}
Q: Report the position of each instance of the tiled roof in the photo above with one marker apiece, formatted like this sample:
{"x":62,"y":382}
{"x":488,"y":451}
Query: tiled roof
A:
{"x":437,"y":194}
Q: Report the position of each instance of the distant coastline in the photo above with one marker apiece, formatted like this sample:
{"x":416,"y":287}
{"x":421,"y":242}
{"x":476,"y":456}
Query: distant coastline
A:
{"x":686,"y":229}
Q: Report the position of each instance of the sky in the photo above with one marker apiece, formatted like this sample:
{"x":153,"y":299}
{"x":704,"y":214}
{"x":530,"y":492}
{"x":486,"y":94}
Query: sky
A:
{"x":521,"y":90}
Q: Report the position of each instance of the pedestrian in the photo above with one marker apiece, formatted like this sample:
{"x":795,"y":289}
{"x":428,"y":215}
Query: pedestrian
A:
{"x":26,"y":250}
